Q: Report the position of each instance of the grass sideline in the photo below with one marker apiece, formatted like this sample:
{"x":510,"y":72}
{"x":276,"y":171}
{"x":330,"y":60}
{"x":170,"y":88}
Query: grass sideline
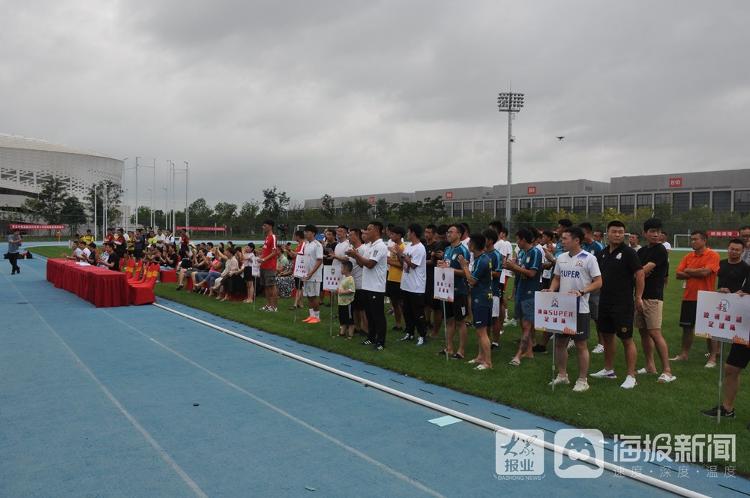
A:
{"x":650,"y":408}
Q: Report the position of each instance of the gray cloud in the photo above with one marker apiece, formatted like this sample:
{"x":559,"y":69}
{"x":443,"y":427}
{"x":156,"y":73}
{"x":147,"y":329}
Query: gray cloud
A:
{"x":352,"y":97}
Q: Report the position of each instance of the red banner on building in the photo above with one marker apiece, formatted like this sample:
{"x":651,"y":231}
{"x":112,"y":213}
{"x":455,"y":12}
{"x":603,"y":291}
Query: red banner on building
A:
{"x":531,"y":190}
{"x":204,"y":229}
{"x":23,"y":226}
{"x":675,"y":181}
{"x":729,"y":234}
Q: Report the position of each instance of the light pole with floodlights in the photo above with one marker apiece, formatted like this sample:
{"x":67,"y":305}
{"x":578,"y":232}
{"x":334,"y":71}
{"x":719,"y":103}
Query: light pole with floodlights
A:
{"x":509,"y":102}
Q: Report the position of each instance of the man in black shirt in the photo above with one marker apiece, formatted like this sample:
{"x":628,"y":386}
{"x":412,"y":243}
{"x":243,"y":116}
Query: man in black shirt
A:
{"x":113,"y":260}
{"x":733,"y":272}
{"x":655,"y":260}
{"x":731,"y":277}
{"x":621,"y":273}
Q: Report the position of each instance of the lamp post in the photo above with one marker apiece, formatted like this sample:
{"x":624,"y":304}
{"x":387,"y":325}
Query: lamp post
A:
{"x":509,"y":102}
{"x":187,"y":183}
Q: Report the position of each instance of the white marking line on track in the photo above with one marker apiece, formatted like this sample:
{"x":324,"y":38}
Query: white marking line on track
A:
{"x":146,"y":435}
{"x":618,"y":470}
{"x":281,"y":411}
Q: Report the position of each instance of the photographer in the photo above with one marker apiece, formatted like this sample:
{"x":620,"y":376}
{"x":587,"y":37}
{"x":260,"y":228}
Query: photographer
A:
{"x":14,"y":243}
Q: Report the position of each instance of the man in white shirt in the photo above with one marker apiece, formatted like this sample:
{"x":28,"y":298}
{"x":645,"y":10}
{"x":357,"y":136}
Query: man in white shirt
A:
{"x":505,"y":249}
{"x":576,"y":272}
{"x":374,"y":269}
{"x":355,"y":239}
{"x":314,"y":273}
{"x":413,"y":282}
{"x":665,"y":242}
{"x":342,"y":245}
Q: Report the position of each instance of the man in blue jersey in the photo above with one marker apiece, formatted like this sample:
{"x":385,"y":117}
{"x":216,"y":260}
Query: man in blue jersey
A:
{"x":528,"y":282}
{"x":456,"y":312}
{"x":591,"y":245}
{"x":497,"y":287}
{"x":479,"y":277}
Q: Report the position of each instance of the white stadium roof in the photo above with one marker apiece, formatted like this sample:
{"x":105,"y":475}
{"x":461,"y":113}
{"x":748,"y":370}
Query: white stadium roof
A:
{"x":19,"y":142}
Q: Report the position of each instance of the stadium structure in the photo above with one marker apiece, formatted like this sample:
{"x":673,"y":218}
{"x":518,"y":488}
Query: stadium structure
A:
{"x":27,"y":163}
{"x":722,"y":191}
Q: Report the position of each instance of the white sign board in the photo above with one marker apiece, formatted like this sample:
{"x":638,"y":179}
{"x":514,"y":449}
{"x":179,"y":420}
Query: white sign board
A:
{"x":331,"y":277}
{"x":723,"y":317}
{"x":443,"y":289}
{"x":255,"y":267}
{"x":299,"y":266}
{"x":556,"y":312}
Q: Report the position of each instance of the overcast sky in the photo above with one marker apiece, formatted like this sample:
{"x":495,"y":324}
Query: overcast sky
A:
{"x":359,"y":97}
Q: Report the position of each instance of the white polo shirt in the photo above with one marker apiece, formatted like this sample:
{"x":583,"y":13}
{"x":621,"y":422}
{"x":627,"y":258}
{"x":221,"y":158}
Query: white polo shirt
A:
{"x":576,"y":273}
{"x":373,"y":279}
{"x":415,"y":279}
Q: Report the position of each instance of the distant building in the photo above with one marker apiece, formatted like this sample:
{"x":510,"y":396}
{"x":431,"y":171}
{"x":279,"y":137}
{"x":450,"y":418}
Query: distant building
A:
{"x":26,"y":163}
{"x":722,"y":191}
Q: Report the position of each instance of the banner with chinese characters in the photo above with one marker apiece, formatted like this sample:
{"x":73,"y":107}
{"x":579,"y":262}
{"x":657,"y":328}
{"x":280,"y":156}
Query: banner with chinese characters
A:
{"x":556,"y":312}
{"x":255,"y":268}
{"x":331,"y":277}
{"x":443,"y":284}
{"x":724,"y":317}
{"x":299,"y":266}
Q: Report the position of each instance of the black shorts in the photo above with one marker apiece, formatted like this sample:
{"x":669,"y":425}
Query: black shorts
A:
{"x":346,"y":314}
{"x":481,"y":315}
{"x":359,"y":300}
{"x":687,"y":313}
{"x":247,"y":274}
{"x":393,"y":291}
{"x":435,"y":304}
{"x":458,"y":309}
{"x":583,"y":327}
{"x":739,"y":356}
{"x":616,"y":320}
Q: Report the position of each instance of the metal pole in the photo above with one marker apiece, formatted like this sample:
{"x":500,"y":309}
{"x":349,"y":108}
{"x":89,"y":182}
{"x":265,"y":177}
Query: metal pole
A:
{"x":554,"y":344}
{"x":105,"y":210}
{"x":95,"y":223}
{"x":445,"y":330}
{"x":187,"y":183}
{"x":510,"y":164}
{"x":721,"y":381}
{"x":153,"y":189}
{"x":136,"y":191}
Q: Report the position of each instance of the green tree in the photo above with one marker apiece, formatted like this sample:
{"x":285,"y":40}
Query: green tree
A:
{"x":225,"y":213}
{"x":200,"y":213}
{"x":358,"y":208}
{"x":144,"y":216}
{"x":248,"y":216}
{"x":113,"y":201}
{"x":275,"y":203}
{"x":73,"y":213}
{"x":382,"y":209}
{"x":49,"y":202}
{"x":328,"y":206}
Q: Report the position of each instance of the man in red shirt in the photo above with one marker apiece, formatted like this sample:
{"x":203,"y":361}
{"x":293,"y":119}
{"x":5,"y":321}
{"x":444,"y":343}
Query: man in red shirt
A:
{"x":698,"y":269}
{"x":268,"y":260}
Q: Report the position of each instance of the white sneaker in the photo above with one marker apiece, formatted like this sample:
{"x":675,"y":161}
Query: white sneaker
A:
{"x":604,"y":374}
{"x":666,"y":378}
{"x":710,"y":364}
{"x":641,"y":371}
{"x":581,"y":386}
{"x":406,"y":337}
{"x":420,"y":341}
{"x":629,"y":383}
{"x":599,"y":349}
{"x":559,"y":380}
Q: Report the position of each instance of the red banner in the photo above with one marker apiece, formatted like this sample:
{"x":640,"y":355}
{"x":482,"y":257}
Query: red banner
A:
{"x":19,"y":226}
{"x":729,"y":234}
{"x":204,"y":229}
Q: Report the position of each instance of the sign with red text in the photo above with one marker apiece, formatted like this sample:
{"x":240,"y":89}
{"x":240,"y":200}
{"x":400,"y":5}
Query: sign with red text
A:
{"x":723,"y":233}
{"x":556,"y":312}
{"x":723,"y":317}
{"x":443,"y":289}
{"x":331,"y":277}
{"x":675,"y":181}
{"x":300,"y":271}
{"x":531,"y":190}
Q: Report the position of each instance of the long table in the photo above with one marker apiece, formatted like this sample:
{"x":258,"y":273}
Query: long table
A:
{"x":99,"y":286}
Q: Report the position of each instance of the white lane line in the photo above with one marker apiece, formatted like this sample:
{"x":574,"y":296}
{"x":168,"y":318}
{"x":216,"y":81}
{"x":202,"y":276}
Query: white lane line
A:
{"x":146,"y":435}
{"x":611,"y":467}
{"x":380,"y":465}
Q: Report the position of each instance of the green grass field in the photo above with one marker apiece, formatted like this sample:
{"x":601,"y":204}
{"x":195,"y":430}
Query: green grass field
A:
{"x":650,"y":408}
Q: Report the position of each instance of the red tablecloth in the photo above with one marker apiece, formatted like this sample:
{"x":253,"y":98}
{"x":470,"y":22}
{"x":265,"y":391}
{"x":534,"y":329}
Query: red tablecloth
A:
{"x":99,"y":286}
